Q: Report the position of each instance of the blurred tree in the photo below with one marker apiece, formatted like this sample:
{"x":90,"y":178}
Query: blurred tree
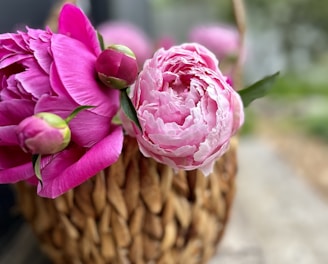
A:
{"x":303,"y":22}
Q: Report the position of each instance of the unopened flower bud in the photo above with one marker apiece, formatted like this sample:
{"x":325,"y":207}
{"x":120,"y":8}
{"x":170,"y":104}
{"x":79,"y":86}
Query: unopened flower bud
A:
{"x":117,"y":67}
{"x":43,"y":133}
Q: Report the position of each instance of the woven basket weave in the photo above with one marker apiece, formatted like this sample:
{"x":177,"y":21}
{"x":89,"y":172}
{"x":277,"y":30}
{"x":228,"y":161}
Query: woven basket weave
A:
{"x":136,"y":211}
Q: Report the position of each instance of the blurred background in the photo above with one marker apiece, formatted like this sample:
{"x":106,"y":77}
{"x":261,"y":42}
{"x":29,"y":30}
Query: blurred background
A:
{"x":290,"y":126}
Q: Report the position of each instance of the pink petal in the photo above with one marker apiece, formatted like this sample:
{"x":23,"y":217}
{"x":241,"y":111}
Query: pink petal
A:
{"x":8,"y":136}
{"x":33,"y":180}
{"x":87,"y":127}
{"x":100,"y":156}
{"x":15,"y":165}
{"x":12,"y":49}
{"x":10,"y":59}
{"x":34,"y":80}
{"x":56,"y":84}
{"x":75,"y":66}
{"x":15,"y":110}
{"x":11,"y":156}
{"x":238,"y":112}
{"x":54,"y":104}
{"x":40,"y":47}
{"x":17,"y":173}
{"x":75,"y":24}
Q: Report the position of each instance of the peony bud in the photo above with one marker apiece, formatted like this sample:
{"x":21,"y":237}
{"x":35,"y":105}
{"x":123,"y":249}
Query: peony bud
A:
{"x":117,"y":67}
{"x":43,"y":133}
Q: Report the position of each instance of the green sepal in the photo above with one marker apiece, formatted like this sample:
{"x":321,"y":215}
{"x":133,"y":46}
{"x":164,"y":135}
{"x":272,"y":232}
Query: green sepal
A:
{"x":76,"y":111}
{"x":116,"y":120}
{"x":36,"y":161}
{"x":101,"y":41}
{"x":257,"y":89}
{"x":128,"y":107}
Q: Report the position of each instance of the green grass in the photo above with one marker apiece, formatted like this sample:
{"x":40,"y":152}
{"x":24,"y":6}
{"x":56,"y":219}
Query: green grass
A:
{"x":289,"y":86}
{"x":290,"y":93}
{"x":249,"y":123}
{"x":315,"y":125}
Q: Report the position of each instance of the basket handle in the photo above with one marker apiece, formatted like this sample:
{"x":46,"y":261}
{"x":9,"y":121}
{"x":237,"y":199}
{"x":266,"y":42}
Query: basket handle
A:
{"x":240,"y":18}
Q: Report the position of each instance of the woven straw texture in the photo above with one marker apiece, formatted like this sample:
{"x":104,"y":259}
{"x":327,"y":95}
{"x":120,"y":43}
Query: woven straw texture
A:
{"x":136,"y":211}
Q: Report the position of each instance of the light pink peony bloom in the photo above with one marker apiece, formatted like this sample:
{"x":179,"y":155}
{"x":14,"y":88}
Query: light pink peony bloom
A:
{"x":222,"y":40}
{"x":45,"y":72}
{"x":187,"y":110}
{"x":125,"y":33}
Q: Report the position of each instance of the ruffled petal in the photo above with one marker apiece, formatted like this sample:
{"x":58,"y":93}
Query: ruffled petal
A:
{"x":75,"y":24}
{"x":12,"y":49}
{"x":40,"y":44}
{"x":73,"y":167}
{"x":34,"y":80}
{"x":13,"y":42}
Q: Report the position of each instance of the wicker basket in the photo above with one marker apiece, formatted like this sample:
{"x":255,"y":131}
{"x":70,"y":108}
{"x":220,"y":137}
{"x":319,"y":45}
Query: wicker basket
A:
{"x":136,"y":211}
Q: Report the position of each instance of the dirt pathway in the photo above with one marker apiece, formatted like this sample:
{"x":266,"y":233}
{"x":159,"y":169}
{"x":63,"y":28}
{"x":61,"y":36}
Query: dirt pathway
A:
{"x":307,"y":154}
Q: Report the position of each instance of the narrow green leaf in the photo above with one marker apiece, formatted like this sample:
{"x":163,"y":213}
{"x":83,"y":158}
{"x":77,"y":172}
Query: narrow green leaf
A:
{"x":258,"y":89}
{"x":76,"y":111}
{"x":36,"y":161}
{"x":101,"y":40}
{"x":128,"y":108}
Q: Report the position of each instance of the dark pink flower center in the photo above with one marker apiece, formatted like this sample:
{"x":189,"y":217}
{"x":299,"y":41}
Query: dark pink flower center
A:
{"x":13,"y":69}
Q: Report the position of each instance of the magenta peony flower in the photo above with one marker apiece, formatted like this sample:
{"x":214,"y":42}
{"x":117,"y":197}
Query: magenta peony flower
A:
{"x":117,"y":67}
{"x":187,"y":110}
{"x":45,"y":72}
{"x":222,"y":40}
{"x":125,"y":33}
{"x":43,"y":133}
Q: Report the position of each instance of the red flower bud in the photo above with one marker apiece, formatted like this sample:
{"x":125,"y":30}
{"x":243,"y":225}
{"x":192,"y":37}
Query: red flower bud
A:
{"x":117,"y":67}
{"x":43,"y":133}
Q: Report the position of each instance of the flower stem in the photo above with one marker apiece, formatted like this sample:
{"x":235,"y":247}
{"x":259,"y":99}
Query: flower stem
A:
{"x":76,"y":111}
{"x":36,"y":161}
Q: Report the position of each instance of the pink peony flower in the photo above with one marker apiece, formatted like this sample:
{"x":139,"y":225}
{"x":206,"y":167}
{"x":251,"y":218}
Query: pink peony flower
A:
{"x":222,"y":40}
{"x":165,"y":42}
{"x":125,"y":33}
{"x":187,"y":110}
{"x":117,"y":67}
{"x":43,"y":133}
{"x":45,"y":72}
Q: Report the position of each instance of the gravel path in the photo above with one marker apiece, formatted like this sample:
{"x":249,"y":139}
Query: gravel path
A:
{"x":278,"y":217}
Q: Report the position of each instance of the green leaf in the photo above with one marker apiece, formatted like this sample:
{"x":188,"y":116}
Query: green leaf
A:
{"x":101,"y":40}
{"x":258,"y":89}
{"x":36,"y":161}
{"x":76,"y":111}
{"x":128,"y":108}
